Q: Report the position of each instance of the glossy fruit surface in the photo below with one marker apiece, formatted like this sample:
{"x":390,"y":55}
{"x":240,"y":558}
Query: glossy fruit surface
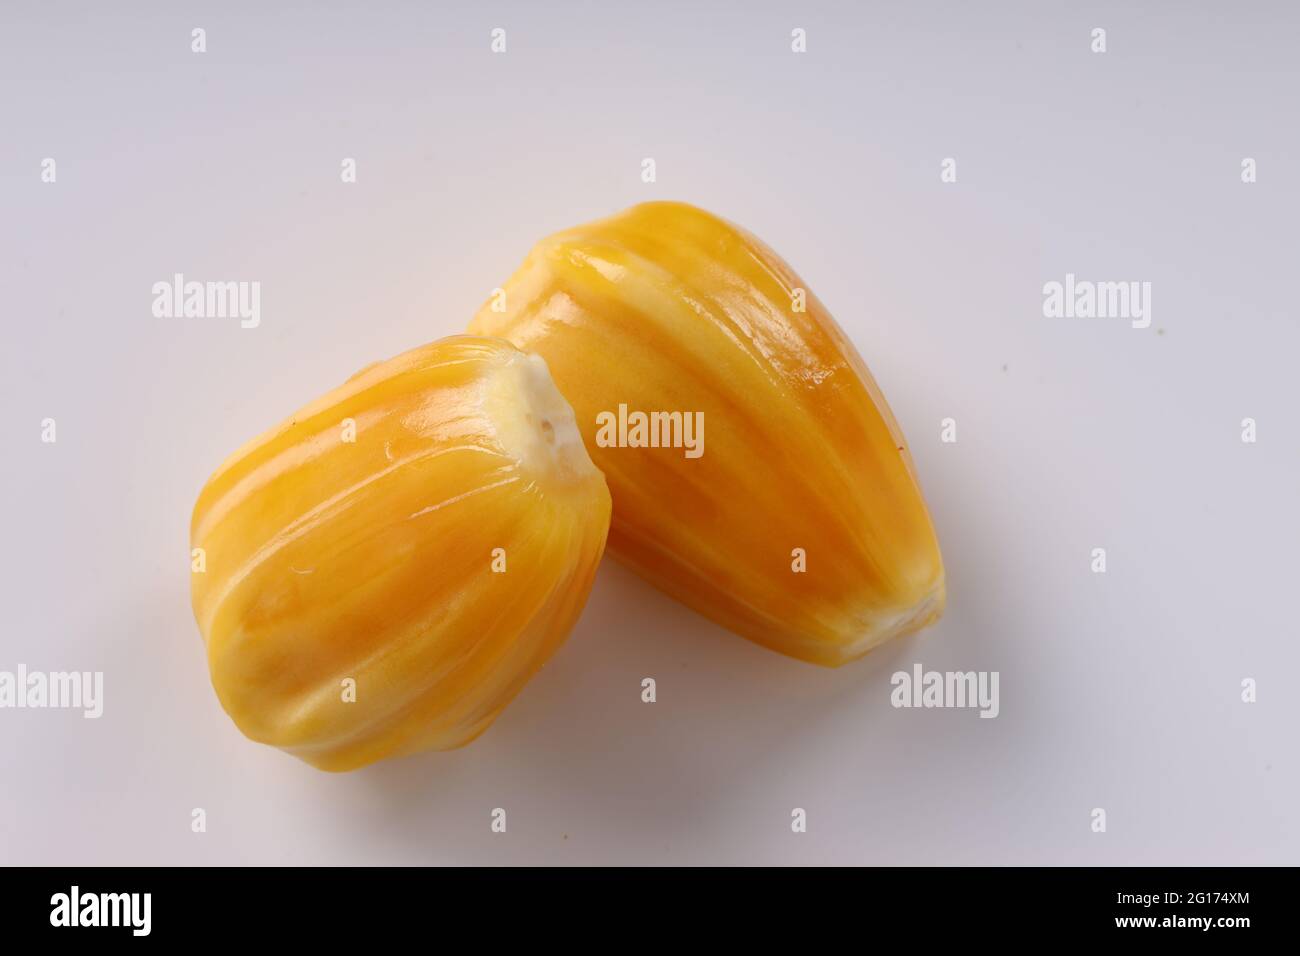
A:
{"x":383,"y":572}
{"x":781,"y":502}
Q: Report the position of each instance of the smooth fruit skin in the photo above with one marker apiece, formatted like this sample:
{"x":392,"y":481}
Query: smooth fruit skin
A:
{"x":665,"y":307}
{"x":373,"y":560}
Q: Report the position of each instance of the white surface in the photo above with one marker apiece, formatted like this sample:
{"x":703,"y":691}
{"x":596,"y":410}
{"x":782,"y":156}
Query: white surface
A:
{"x":1119,"y":691}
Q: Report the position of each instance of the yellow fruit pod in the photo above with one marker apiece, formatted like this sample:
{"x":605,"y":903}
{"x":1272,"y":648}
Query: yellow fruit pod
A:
{"x":385,"y":570}
{"x":757,"y":473}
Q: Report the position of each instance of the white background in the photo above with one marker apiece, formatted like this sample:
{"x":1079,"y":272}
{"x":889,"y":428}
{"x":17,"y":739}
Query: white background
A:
{"x":1119,"y":691}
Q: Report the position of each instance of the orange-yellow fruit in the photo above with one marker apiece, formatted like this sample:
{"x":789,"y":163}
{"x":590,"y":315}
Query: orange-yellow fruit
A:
{"x":797,"y":521}
{"x":384,"y":571}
